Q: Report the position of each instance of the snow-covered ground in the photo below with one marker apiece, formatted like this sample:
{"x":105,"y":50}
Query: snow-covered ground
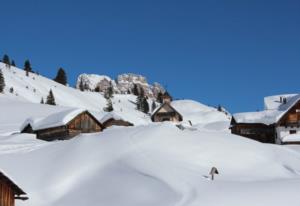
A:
{"x":145,"y":165}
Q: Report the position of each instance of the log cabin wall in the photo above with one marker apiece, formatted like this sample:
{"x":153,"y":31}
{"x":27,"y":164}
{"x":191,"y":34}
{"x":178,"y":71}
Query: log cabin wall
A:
{"x":259,"y":132}
{"x":7,"y":196}
{"x":54,"y":133}
{"x":84,"y":123}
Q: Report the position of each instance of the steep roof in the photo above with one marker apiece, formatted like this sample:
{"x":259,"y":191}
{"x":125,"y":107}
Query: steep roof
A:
{"x":269,"y":116}
{"x":161,"y":106}
{"x":53,"y":120}
{"x":17,"y":190}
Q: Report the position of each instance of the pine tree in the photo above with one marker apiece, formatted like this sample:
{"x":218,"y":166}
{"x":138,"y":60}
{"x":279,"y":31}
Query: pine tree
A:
{"x":110,"y":90}
{"x":109,"y":106}
{"x":159,"y":97}
{"x":220,"y":108}
{"x":61,"y":77}
{"x":2,"y":82}
{"x":6,"y":60}
{"x":13,"y":63}
{"x":145,"y":106}
{"x":50,"y":98}
{"x":27,"y":67}
{"x":42,"y":101}
{"x":139,"y":100}
{"x":81,"y":85}
{"x":153,"y":106}
{"x":135,"y":90}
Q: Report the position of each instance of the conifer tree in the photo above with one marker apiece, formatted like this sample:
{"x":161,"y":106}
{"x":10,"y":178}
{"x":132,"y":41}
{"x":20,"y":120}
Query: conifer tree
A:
{"x":153,"y":106}
{"x":145,"y":106}
{"x":27,"y":67}
{"x":135,"y":90}
{"x":13,"y":63}
{"x":81,"y":86}
{"x":50,"y":98}
{"x":42,"y":101}
{"x":109,"y":106}
{"x":139,"y":100}
{"x":220,"y":108}
{"x":159,"y":97}
{"x":2,"y":82}
{"x":110,"y":90}
{"x":61,"y":77}
{"x":6,"y":60}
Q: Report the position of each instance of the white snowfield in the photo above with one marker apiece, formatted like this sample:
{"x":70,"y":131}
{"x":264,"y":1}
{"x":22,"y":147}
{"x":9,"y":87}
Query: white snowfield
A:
{"x":150,"y":164}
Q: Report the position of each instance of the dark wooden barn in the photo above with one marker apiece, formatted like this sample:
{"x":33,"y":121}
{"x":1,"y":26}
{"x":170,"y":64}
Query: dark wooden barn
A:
{"x":9,"y":191}
{"x":166,"y":113}
{"x":256,"y":131}
{"x":64,"y":125}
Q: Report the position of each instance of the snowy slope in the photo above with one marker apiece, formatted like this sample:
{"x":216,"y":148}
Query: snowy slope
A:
{"x":35,"y":87}
{"x":155,"y":164}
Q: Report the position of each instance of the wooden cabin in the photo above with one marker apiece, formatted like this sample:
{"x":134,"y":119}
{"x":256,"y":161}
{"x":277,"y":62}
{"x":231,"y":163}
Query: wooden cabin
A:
{"x":116,"y":122}
{"x":9,"y":191}
{"x":166,"y":113}
{"x":63,"y":125}
{"x":113,"y":119}
{"x":278,"y":123}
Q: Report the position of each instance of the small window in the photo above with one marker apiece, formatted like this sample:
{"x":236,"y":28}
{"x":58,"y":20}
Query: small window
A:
{"x":298,"y":110}
{"x":293,"y":131}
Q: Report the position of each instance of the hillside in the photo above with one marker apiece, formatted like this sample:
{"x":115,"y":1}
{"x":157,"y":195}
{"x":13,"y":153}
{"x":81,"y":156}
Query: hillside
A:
{"x":148,"y":164}
{"x":35,"y":87}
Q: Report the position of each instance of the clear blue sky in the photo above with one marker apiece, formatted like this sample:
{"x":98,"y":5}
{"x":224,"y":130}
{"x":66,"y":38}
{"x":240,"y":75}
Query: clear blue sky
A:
{"x":217,"y":52}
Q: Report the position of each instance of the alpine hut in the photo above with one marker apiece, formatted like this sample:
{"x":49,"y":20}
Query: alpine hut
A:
{"x":112,"y":119}
{"x":9,"y":191}
{"x":62,"y":125}
{"x":278,"y":123}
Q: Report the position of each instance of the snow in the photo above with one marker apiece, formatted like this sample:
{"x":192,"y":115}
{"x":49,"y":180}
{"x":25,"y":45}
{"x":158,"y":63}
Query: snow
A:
{"x":291,"y":138}
{"x":273,"y":113}
{"x":154,"y":164}
{"x":148,"y":164}
{"x":53,"y":120}
{"x":273,"y":102}
{"x":111,"y":115}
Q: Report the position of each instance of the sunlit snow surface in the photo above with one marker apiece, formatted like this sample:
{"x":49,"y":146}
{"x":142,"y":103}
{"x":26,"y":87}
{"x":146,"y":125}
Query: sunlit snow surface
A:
{"x":149,"y":164}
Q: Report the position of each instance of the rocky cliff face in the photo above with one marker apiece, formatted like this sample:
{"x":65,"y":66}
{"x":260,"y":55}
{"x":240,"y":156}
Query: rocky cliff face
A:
{"x":122,"y":85}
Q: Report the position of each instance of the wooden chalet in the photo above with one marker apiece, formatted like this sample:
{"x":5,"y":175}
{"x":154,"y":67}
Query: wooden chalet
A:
{"x":63,"y":125}
{"x":112,"y":119}
{"x":10,"y":191}
{"x":166,"y":113}
{"x":278,"y":123}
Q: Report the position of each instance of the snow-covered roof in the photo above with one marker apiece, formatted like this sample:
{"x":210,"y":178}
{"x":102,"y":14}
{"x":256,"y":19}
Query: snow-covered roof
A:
{"x":110,"y":115}
{"x":273,"y":102}
{"x":53,"y":120}
{"x":273,"y":113}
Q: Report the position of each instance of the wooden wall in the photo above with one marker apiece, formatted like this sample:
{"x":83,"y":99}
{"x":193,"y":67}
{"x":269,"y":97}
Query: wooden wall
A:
{"x":7,"y":196}
{"x":292,"y":117}
{"x":259,"y":132}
